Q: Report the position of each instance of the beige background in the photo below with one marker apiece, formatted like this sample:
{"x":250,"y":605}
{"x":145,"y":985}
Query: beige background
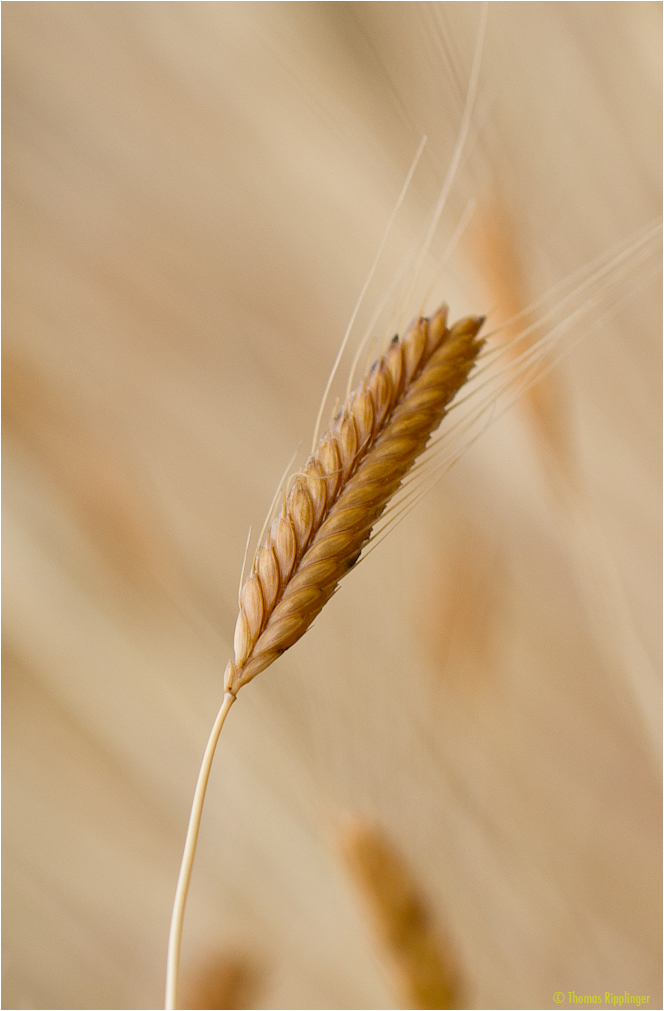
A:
{"x":193,"y":194}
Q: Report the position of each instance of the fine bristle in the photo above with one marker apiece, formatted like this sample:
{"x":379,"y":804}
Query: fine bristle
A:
{"x":334,"y":502}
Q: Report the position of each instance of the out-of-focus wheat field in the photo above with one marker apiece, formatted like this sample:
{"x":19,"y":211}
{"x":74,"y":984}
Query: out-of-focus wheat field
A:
{"x":193,"y":196}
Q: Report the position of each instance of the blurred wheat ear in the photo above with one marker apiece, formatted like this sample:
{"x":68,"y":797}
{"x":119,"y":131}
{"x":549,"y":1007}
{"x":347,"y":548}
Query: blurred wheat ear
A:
{"x":418,"y":955}
{"x":225,"y":981}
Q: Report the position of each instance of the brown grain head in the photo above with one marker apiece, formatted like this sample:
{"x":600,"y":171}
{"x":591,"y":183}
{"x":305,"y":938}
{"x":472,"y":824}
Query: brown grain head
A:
{"x":494,"y":243}
{"x":333,"y":504}
{"x":401,"y":917}
{"x":226,"y":980}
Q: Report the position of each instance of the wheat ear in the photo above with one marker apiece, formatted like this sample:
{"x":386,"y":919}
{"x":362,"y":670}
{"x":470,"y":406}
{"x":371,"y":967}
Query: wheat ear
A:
{"x":327,"y":515}
{"x":420,"y":956}
{"x":333,"y":503}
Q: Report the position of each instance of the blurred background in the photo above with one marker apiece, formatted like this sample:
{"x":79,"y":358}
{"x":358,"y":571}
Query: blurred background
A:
{"x":193,"y":195}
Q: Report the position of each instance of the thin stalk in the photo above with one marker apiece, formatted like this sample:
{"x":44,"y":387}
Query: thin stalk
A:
{"x":177,"y":917}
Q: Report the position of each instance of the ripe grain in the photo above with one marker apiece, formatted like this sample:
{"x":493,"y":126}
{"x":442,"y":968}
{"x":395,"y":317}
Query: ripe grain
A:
{"x":331,"y":506}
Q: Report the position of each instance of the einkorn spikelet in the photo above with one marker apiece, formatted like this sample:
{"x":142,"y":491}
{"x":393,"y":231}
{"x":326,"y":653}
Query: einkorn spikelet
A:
{"x":340,"y":493}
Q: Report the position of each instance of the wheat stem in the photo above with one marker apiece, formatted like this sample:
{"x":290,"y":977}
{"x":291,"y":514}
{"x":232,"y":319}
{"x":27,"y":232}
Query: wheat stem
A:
{"x":177,"y":917}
